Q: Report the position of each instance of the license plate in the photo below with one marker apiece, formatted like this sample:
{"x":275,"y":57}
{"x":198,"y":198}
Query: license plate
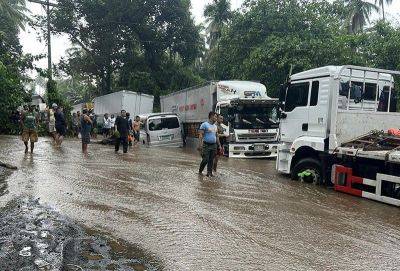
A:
{"x":258,"y":148}
{"x":165,"y":137}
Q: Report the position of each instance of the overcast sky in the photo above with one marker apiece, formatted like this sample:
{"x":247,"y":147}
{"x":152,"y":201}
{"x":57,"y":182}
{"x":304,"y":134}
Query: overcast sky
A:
{"x":60,"y":44}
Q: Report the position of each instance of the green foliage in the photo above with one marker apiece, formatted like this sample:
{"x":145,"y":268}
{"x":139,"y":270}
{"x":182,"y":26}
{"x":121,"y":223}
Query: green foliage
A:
{"x":217,"y":15}
{"x":12,"y":66}
{"x":359,"y":12}
{"x":52,"y":93}
{"x":133,"y":45}
{"x":14,"y":11}
{"x":268,"y":37}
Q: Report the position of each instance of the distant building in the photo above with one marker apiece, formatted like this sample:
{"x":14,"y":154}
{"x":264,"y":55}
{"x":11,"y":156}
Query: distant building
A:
{"x":37,"y":100}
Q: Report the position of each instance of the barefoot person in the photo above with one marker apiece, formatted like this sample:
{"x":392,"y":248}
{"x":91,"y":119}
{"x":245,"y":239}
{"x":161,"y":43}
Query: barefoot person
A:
{"x":52,"y":123}
{"x":136,"y":130}
{"x":222,"y":141}
{"x":122,"y":126}
{"x":86,"y":127}
{"x":29,"y":123}
{"x":208,"y":143}
{"x":61,"y":125}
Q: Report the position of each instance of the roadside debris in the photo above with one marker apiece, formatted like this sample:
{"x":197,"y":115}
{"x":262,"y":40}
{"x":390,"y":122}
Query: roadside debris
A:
{"x":34,"y":237}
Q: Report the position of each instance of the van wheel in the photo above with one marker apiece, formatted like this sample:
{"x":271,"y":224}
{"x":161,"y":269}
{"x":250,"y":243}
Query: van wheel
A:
{"x":311,"y":170}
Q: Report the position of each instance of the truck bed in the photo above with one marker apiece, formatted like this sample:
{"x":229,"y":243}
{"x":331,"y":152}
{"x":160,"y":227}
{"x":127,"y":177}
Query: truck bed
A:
{"x":374,"y":145}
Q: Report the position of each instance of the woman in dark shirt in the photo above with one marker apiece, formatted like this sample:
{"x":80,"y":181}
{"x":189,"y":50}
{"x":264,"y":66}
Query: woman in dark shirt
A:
{"x":61,"y":126}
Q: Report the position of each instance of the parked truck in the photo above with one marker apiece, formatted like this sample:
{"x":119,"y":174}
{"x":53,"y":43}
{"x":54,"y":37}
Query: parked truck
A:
{"x":250,"y":115}
{"x":133,"y":102}
{"x":334,"y":130}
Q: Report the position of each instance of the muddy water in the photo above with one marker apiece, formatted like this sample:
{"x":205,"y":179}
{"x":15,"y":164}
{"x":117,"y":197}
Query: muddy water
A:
{"x":247,"y":218}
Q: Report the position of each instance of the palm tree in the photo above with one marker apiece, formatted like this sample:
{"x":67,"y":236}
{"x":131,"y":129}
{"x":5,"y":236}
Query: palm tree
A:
{"x":217,"y":14}
{"x":359,"y":12}
{"x":14,"y":10}
{"x":381,"y":3}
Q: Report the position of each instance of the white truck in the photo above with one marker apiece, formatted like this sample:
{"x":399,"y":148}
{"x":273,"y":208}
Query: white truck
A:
{"x":250,"y":115}
{"x":333,"y":130}
{"x":134,"y":103}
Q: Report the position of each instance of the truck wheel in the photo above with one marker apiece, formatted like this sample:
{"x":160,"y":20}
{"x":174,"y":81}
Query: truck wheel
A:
{"x":310,"y":165}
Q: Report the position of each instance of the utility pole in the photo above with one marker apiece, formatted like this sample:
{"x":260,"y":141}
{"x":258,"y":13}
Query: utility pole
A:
{"x":47,"y":4}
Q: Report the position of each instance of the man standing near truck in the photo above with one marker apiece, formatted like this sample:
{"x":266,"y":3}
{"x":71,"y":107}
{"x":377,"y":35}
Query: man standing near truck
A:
{"x":122,"y":127}
{"x":222,"y":140}
{"x":208,"y":143}
{"x":136,"y":130}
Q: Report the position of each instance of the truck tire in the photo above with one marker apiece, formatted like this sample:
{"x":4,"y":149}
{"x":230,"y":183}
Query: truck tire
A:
{"x":312,"y":165}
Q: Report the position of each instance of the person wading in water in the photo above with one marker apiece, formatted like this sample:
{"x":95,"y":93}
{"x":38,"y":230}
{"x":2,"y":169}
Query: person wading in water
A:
{"x":222,"y":141}
{"x":208,"y":143}
{"x":29,"y":123}
{"x":86,"y":127}
{"x":122,"y":127}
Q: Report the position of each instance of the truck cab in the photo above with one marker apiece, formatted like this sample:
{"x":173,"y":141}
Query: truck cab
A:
{"x":250,"y":119}
{"x":325,"y":107}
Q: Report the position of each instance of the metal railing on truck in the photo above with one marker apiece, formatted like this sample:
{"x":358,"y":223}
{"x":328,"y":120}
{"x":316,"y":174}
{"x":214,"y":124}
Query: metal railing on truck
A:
{"x":351,"y":68}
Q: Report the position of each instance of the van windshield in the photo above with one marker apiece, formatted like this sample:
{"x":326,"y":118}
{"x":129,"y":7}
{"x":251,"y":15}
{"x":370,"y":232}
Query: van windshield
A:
{"x":157,"y":124}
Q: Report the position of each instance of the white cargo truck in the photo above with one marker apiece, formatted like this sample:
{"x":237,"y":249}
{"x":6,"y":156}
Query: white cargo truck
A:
{"x":334,"y":129}
{"x":250,"y":115}
{"x":134,"y":103}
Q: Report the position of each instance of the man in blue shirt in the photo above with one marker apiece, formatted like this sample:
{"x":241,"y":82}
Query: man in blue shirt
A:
{"x":208,"y":142}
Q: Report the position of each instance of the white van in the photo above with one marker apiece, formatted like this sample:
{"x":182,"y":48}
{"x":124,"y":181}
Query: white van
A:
{"x":161,"y":129}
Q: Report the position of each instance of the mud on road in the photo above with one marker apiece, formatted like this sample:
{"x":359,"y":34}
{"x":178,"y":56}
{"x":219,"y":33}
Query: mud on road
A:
{"x":152,"y":200}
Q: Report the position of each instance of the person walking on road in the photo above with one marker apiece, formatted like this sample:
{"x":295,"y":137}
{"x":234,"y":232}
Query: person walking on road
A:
{"x":29,"y":122}
{"x":130,"y":134}
{"x":136,"y":130}
{"x":86,"y":127}
{"x":122,"y":127}
{"x":52,"y":123}
{"x":106,"y":125}
{"x":112,"y":123}
{"x":208,"y":143}
{"x":222,"y":141}
{"x":75,"y":124}
{"x":61,"y":125}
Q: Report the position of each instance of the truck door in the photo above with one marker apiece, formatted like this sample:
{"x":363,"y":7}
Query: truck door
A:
{"x":294,"y":122}
{"x":318,"y":108}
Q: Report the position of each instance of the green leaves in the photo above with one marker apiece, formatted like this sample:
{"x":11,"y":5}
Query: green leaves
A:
{"x":118,"y":40}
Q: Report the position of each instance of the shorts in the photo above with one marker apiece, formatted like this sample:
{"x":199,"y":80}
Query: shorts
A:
{"x":136,"y":136}
{"x":61,"y":130}
{"x":86,"y":139}
{"x":29,"y":134}
{"x":52,"y":129}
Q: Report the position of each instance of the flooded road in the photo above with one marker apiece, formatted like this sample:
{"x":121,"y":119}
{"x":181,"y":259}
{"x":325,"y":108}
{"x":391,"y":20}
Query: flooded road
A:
{"x":246,"y":218}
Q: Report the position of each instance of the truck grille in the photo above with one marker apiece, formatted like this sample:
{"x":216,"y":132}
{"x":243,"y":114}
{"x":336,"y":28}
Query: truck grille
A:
{"x":270,"y":137}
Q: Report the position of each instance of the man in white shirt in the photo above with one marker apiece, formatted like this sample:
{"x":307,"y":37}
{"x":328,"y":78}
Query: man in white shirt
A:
{"x":106,"y":125}
{"x":112,"y":123}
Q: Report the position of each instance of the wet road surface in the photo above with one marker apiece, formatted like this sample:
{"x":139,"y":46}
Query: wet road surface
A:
{"x":246,"y":218}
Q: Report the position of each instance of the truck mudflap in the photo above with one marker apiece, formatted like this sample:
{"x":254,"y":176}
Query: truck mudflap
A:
{"x":344,"y":181}
{"x":253,"y":150}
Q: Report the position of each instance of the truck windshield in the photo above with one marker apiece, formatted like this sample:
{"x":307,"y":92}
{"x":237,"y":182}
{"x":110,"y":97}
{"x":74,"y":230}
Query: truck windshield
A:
{"x":254,"y":117}
{"x":157,"y":124}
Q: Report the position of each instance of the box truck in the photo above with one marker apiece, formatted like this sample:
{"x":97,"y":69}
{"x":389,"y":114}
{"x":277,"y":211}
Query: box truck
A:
{"x":250,"y":115}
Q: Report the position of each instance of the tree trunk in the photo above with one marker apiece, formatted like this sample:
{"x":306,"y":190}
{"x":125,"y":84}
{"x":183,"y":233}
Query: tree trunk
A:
{"x":383,"y":11}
